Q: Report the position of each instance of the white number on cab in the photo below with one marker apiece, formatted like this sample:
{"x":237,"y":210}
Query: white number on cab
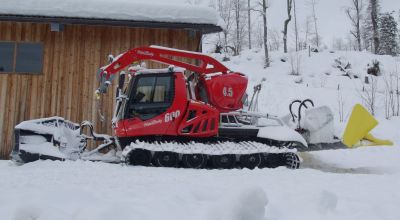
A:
{"x":172,"y":115}
{"x":227,"y":91}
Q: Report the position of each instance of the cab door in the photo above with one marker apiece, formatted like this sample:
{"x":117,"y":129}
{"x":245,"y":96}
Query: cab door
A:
{"x":150,"y":101}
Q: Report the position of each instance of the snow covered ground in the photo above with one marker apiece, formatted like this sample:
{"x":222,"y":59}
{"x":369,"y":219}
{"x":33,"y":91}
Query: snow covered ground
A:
{"x":359,"y":183}
{"x":344,"y":184}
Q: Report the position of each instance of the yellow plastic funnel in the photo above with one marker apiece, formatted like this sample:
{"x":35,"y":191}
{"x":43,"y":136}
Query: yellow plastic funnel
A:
{"x":361,"y":122}
{"x":376,"y":141}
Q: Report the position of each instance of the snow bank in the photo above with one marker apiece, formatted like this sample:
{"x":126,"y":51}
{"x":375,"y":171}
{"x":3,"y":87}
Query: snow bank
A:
{"x":152,"y":10}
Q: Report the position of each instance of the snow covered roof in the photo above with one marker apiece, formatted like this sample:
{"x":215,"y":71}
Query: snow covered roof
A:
{"x":149,"y":13}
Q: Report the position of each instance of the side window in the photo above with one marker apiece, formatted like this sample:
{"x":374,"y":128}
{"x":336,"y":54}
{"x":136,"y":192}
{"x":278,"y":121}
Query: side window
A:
{"x":29,"y":58}
{"x":162,"y":90}
{"x":21,"y":57}
{"x":153,"y":90}
{"x":7,"y":56}
{"x":144,"y":89}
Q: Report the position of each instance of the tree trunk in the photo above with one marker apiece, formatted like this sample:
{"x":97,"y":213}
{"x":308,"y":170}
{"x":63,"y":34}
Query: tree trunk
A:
{"x":358,"y":14}
{"x":354,"y":14}
{"x":249,"y":22}
{"x":315,"y":23}
{"x":237,"y":19}
{"x":296,"y":32}
{"x":307,"y":32}
{"x":374,"y":21}
{"x":225,"y":41}
{"x":267,"y":63}
{"x":285,"y":27}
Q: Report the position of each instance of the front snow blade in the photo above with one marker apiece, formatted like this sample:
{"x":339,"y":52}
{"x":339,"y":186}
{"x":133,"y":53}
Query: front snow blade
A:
{"x":49,"y":138}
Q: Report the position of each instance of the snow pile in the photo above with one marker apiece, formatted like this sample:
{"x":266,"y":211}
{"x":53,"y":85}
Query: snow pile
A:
{"x":152,"y":10}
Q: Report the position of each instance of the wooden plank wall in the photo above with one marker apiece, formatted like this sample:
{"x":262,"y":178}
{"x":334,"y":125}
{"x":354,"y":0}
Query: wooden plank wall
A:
{"x":71,"y":60}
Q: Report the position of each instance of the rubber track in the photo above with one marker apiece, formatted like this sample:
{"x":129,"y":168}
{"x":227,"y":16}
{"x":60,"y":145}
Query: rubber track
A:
{"x":235,"y":154}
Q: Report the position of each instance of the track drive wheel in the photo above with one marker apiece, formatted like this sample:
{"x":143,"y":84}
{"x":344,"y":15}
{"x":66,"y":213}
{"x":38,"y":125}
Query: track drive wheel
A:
{"x":225,"y":161}
{"x":195,"y":161}
{"x":139,"y":157}
{"x":165,"y":159}
{"x":292,"y":160}
{"x":250,"y":161}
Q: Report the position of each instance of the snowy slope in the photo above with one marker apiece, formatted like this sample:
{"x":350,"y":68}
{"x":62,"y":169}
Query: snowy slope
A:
{"x":320,"y":83}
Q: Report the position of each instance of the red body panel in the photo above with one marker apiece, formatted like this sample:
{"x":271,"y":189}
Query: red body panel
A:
{"x":225,"y":92}
{"x":201,"y":120}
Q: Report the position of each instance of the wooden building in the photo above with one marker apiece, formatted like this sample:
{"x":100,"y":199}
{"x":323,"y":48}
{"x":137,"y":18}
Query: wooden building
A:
{"x":48,"y":62}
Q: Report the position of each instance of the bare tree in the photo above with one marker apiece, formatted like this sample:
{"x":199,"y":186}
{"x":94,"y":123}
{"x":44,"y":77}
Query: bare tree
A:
{"x":296,"y":32}
{"x":295,"y":63}
{"x":225,"y":11}
{"x":265,"y":28}
{"x":289,"y":4}
{"x":392,"y":94}
{"x":275,"y":39}
{"x":389,"y":98}
{"x":396,"y":111}
{"x":307,"y":31}
{"x":351,"y":43}
{"x":341,"y":103}
{"x":249,"y":21}
{"x":238,"y":8}
{"x":369,"y":93}
{"x":264,"y":4}
{"x":313,"y":3}
{"x":354,"y":13}
{"x":259,"y":35}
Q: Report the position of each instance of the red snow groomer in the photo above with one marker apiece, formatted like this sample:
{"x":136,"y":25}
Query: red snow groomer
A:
{"x":183,"y":116}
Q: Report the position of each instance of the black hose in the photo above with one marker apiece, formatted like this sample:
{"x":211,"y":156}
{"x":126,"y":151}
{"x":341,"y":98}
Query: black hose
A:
{"x":290,"y":109}
{"x":303,"y":103}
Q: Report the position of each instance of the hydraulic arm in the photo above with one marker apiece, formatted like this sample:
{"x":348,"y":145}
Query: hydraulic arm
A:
{"x":205,"y":64}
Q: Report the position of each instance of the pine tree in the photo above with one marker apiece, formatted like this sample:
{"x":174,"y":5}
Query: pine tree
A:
{"x":398,"y":38}
{"x":388,"y":34}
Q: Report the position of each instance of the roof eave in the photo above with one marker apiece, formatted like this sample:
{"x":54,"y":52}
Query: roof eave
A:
{"x":203,"y":28}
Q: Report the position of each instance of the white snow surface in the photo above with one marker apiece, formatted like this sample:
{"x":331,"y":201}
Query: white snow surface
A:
{"x":343,"y":184}
{"x":178,"y":11}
